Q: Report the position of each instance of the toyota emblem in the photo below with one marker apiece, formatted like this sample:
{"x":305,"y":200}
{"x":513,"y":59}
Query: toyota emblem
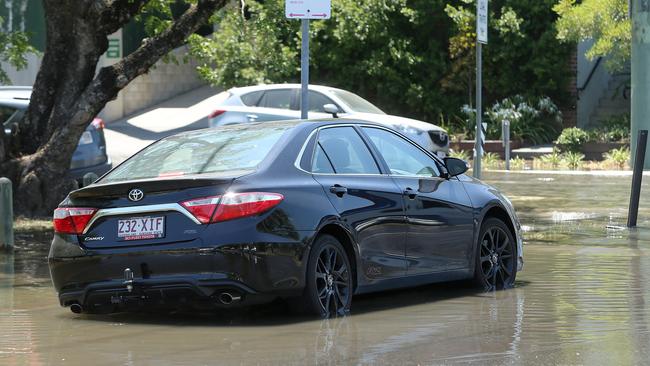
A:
{"x":136,"y":195}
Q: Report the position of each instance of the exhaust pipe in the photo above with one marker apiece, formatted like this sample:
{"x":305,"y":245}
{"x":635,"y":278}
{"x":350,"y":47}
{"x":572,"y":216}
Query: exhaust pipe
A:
{"x":76,"y":308}
{"x":227,"y":298}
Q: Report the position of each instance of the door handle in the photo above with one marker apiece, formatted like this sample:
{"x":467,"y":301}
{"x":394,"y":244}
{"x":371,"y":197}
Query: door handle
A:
{"x":252,"y":117}
{"x":410,"y":193}
{"x":338,"y":190}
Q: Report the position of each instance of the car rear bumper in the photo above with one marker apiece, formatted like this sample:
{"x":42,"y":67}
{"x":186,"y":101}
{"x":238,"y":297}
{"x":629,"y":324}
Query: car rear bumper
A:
{"x":173,"y":275}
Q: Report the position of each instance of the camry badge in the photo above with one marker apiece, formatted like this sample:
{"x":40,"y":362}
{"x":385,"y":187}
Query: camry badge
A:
{"x":136,"y":195}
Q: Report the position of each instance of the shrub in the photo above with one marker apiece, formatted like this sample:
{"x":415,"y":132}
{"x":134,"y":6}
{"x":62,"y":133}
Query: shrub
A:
{"x":491,"y":160}
{"x":612,"y":129}
{"x":553,"y":159}
{"x":518,"y":163}
{"x":536,"y":121}
{"x":573,"y":159}
{"x":572,"y":139}
{"x":462,"y":154}
{"x":618,"y":157}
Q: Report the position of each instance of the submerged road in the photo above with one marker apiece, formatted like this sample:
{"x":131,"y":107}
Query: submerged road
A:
{"x":581,"y":299}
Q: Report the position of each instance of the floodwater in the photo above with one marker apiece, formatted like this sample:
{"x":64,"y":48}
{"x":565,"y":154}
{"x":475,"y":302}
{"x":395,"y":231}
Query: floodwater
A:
{"x":581,"y":299}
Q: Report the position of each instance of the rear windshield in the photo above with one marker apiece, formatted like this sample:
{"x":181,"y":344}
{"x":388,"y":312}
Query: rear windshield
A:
{"x":216,"y":151}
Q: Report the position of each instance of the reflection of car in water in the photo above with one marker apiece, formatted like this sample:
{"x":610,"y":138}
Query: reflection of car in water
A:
{"x":90,"y":155}
{"x":318,"y":209}
{"x":282,"y":102}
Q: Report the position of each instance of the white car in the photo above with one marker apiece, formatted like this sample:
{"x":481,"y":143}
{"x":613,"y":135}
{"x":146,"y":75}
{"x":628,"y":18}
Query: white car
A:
{"x":282,"y":101}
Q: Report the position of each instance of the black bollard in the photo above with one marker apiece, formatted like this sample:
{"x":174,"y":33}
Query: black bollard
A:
{"x":637,"y":177}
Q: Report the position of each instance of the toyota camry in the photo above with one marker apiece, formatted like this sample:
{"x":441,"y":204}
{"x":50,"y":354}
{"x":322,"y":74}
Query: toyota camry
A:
{"x":311,"y":211}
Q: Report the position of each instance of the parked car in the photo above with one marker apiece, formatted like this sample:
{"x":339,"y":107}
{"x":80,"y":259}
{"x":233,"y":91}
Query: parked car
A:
{"x":282,"y":101}
{"x":313,"y":210}
{"x":90,"y":155}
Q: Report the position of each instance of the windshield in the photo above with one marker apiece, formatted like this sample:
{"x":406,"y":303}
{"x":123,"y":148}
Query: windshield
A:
{"x":355,"y":102}
{"x":236,"y":148}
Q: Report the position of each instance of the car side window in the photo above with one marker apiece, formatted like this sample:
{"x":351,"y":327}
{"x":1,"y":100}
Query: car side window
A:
{"x":252,"y":99}
{"x":317,"y":101}
{"x":346,"y":151}
{"x":402,"y":157}
{"x":321,"y":163}
{"x":276,"y":99}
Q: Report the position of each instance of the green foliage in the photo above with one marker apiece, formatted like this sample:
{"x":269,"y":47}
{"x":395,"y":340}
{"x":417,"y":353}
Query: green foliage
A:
{"x":518,"y":163}
{"x":604,"y":21}
{"x":491,"y":160}
{"x":462,"y":154}
{"x":618,"y":157}
{"x":553,"y":159}
{"x":612,"y":129}
{"x":399,"y":54}
{"x":14,"y":46}
{"x":537,"y":122}
{"x":572,"y":139}
{"x":573,"y":159}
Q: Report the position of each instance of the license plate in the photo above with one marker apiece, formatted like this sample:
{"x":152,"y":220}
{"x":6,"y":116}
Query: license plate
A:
{"x":138,"y":228}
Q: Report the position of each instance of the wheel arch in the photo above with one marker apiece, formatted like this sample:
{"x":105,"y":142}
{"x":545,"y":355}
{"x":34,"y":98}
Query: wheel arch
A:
{"x":496,"y":210}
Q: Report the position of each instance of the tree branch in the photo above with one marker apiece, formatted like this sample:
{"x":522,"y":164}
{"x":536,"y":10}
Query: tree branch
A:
{"x":116,"y":13}
{"x":111,"y":79}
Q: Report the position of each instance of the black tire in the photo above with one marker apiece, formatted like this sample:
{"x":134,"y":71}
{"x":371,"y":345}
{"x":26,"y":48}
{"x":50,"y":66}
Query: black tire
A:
{"x":496,"y":256}
{"x":328,"y":291}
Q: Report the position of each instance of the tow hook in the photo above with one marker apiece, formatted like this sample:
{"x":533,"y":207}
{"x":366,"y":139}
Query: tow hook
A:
{"x":128,"y":279}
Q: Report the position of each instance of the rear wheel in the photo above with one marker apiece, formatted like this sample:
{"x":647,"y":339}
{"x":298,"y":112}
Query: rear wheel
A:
{"x":496,"y":256}
{"x":328,"y":291}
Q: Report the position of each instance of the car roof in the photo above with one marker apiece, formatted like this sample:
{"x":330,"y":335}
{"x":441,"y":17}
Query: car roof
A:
{"x":248,"y":89}
{"x":15,"y":96}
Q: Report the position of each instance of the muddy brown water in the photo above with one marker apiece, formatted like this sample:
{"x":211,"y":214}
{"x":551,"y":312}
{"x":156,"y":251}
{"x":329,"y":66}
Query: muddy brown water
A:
{"x":581,"y":299}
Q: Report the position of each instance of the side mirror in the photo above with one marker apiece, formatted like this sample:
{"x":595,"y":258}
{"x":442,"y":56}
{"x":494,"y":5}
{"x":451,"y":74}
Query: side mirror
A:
{"x":332,"y":109}
{"x":455,"y":166}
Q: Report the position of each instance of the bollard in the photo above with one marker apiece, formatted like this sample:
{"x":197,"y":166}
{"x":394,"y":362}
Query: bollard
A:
{"x":637,"y":176}
{"x":89,"y":178}
{"x":505,"y":130}
{"x":6,"y":215}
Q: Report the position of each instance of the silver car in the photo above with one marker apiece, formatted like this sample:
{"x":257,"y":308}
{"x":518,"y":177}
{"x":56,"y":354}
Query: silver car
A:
{"x":282,"y":101}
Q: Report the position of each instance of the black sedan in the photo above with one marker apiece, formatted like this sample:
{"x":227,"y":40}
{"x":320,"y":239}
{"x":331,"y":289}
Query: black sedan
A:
{"x":315,"y":211}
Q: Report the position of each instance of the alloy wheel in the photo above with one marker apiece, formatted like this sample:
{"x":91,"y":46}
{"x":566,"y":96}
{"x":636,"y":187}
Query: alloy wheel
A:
{"x":332,"y":281}
{"x":497,"y":259}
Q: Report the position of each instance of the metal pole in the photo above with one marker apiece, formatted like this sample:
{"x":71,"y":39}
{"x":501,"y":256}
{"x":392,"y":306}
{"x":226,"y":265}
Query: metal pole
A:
{"x":637,"y":177}
{"x":478,"y":145}
{"x":506,"y":141}
{"x":640,"y":80}
{"x":304,"y":70}
{"x":6,"y":214}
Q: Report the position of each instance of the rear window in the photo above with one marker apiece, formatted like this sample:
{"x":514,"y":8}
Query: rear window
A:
{"x":219,"y":150}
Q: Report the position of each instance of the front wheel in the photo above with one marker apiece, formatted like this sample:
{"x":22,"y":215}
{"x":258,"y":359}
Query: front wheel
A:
{"x":328,"y":291}
{"x":496,"y":260}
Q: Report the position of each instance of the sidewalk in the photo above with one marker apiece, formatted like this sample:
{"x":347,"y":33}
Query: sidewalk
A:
{"x":185,"y":112}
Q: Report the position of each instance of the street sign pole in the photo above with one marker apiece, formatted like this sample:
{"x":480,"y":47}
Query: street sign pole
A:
{"x":306,"y":10}
{"x":478,"y":144}
{"x":481,"y":38}
{"x":304,"y":70}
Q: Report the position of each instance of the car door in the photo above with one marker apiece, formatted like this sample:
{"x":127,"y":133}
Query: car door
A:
{"x":368,"y":202}
{"x":440,"y":216}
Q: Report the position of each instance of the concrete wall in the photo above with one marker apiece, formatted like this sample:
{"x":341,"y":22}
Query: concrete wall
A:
{"x":589,"y":98}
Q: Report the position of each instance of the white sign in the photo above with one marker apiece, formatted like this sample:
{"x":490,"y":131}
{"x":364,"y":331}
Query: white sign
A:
{"x":481,"y":21}
{"x":308,"y":9}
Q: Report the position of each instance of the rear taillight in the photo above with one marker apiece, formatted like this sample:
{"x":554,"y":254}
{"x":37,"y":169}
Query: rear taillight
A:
{"x":202,"y":208}
{"x":216,"y":113}
{"x":72,"y":220}
{"x":98,"y":123}
{"x":232,"y":206}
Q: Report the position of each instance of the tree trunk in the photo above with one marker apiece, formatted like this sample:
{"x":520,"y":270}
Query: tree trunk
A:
{"x":68,"y":93}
